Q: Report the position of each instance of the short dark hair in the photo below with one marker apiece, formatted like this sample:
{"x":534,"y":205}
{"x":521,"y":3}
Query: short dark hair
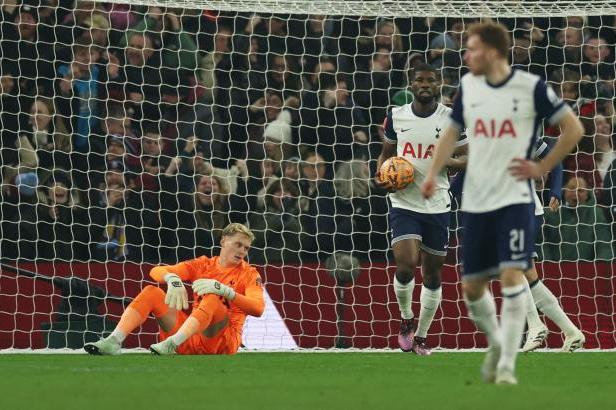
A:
{"x":494,"y":35}
{"x":422,"y":67}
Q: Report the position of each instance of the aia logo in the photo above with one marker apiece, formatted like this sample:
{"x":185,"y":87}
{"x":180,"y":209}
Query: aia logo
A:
{"x":494,"y":129}
{"x":417,"y":151}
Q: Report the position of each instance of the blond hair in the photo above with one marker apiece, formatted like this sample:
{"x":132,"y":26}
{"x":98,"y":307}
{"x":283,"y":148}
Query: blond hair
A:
{"x":235,"y":227}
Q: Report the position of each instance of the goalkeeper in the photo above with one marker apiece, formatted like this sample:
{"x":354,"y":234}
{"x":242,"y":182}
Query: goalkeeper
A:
{"x":226,"y":289}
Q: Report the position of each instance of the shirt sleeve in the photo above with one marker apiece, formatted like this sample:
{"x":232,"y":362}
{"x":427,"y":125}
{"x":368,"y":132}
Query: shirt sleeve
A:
{"x":462,"y":139}
{"x":187,"y":271}
{"x":457,"y":113}
{"x":542,"y":149}
{"x":547,"y":104}
{"x":388,"y":127}
{"x":252,"y":301}
{"x":556,"y":181}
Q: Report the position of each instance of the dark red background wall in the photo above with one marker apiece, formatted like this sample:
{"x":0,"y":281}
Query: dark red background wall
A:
{"x":305,"y":297}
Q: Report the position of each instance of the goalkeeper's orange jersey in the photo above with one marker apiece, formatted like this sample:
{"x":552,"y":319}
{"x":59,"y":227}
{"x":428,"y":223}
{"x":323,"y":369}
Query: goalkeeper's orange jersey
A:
{"x":243,"y":278}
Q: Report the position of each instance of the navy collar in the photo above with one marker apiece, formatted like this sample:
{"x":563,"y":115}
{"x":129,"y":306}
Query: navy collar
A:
{"x":423,"y":115}
{"x":503,"y":82}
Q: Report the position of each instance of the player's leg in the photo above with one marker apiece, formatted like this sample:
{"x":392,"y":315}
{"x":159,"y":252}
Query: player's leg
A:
{"x":515,"y":239}
{"x":479,"y":265}
{"x":210,"y":317}
{"x":547,"y":303}
{"x":513,"y":318}
{"x":151,"y":300}
{"x":406,"y":239}
{"x":435,"y":234}
{"x":537,"y":331}
{"x":406,"y":254}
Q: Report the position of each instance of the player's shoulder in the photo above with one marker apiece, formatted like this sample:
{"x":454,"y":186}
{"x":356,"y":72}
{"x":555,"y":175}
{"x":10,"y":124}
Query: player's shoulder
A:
{"x":248,"y":269}
{"x":442,"y":109}
{"x":525,"y":78}
{"x":403,"y":109}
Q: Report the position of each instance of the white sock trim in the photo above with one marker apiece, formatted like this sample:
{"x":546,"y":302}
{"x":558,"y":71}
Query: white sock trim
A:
{"x":430,"y":300}
{"x":404,"y":296}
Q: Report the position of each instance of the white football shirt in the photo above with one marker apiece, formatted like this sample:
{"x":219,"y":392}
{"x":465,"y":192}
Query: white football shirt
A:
{"x":502,"y":122}
{"x":416,"y":136}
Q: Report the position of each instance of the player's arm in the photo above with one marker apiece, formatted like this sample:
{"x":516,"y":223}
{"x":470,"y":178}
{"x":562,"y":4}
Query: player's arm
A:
{"x":460,"y":156}
{"x":388,"y":149}
{"x":571,"y":133}
{"x":550,"y":107}
{"x":252,"y":303}
{"x":442,"y":154}
{"x":174,"y":275}
{"x":556,"y":182}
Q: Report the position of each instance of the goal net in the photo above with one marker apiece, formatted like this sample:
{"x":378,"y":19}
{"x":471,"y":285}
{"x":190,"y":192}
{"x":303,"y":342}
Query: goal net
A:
{"x":133,"y":132}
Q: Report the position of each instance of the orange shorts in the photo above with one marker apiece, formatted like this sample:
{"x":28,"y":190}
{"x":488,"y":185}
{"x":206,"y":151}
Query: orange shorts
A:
{"x":227,"y":341}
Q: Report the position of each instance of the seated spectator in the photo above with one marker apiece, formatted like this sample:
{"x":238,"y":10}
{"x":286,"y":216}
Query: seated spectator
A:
{"x":277,"y":230}
{"x":332,"y":123}
{"x":80,"y":89}
{"x":277,"y":137}
{"x":153,"y":162}
{"x":18,"y":217}
{"x":116,"y":225}
{"x":582,"y":163}
{"x":48,"y":134}
{"x":579,"y":230}
{"x":604,"y":153}
{"x":200,"y":218}
{"x":61,"y":222}
{"x":325,"y":216}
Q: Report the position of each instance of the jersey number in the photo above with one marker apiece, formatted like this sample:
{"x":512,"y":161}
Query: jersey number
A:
{"x":516,"y":240}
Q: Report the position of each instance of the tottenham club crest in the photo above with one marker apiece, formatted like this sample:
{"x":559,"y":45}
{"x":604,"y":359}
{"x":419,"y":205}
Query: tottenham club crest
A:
{"x":438,"y":132}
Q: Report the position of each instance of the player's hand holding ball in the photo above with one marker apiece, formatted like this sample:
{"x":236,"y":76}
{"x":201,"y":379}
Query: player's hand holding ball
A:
{"x":204,"y":286}
{"x":176,"y":296}
{"x":395,"y":173}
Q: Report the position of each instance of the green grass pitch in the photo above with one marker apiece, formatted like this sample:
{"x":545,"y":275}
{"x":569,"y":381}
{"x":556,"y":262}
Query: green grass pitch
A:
{"x":340,"y":381}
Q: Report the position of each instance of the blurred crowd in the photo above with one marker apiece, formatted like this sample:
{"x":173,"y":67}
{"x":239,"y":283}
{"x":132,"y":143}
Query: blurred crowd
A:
{"x":137,"y":133}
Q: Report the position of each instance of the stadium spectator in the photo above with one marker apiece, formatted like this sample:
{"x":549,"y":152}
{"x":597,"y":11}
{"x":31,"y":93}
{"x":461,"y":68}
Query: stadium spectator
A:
{"x":526,"y":54}
{"x":565,"y":51}
{"x":200,"y":217}
{"x":115,"y":222}
{"x":604,"y":155}
{"x":582,"y":162}
{"x":27,"y":55}
{"x":332,"y":124}
{"x":61,"y":222}
{"x":325,"y":217}
{"x":49,"y":136}
{"x":579,"y":230}
{"x":80,"y":88}
{"x":277,"y":229}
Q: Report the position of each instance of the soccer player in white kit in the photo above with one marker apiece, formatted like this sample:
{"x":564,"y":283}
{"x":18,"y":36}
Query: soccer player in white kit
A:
{"x":502,"y":110}
{"x":539,"y":296}
{"x":420,"y":228}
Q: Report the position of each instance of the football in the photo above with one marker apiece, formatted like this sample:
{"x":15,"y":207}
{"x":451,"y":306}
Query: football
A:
{"x":398,"y":171}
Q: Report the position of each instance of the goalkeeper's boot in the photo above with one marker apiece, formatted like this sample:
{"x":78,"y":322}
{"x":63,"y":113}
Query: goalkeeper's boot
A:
{"x":406,"y":335}
{"x":166,"y":347}
{"x":574,"y":342}
{"x":420,"y":347}
{"x":505,"y":376}
{"x":106,"y":346}
{"x":488,"y":368}
{"x":535,"y":338}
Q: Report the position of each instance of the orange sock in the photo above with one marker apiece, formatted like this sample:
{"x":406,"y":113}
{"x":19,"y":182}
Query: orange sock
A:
{"x":210,"y":310}
{"x":150,"y":300}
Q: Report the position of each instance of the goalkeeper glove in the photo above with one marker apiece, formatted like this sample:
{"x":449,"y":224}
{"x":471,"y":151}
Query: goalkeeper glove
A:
{"x":204,"y":286}
{"x":176,"y":296}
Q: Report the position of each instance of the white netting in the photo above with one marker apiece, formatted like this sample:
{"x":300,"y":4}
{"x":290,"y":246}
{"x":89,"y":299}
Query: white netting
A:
{"x":132,"y":133}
